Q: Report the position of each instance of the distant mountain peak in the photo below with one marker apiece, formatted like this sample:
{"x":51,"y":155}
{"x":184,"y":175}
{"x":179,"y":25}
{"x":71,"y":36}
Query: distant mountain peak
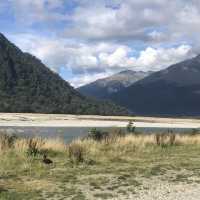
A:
{"x":173,"y":91}
{"x":102,"y":88}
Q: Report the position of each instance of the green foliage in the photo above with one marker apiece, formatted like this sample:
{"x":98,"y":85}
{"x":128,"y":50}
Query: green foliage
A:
{"x":32,"y":148}
{"x":97,"y":134}
{"x":130,"y":127}
{"x":27,"y":85}
{"x":195,"y":131}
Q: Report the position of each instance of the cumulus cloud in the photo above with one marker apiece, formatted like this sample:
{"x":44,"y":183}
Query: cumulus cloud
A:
{"x":57,"y":52}
{"x":144,"y":20}
{"x":148,"y":59}
{"x":91,"y":61}
{"x":83,"y":79}
{"x":93,"y":39}
{"x":133,"y":20}
{"x":157,"y":59}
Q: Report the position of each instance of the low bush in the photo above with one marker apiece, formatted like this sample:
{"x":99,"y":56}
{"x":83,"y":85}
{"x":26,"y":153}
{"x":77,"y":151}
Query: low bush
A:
{"x":7,"y":141}
{"x":117,"y":132}
{"x":34,"y":146}
{"x":97,"y":134}
{"x":76,"y":153}
{"x":165,"y":139}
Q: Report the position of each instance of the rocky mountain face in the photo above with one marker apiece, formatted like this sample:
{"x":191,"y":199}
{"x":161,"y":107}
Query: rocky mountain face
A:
{"x":174,"y":91}
{"x":103,"y":88}
{"x":27,"y":85}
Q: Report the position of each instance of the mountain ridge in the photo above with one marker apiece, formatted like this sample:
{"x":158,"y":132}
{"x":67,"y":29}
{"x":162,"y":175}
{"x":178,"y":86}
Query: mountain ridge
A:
{"x":27,"y":85}
{"x":102,"y":88}
{"x":174,"y":91}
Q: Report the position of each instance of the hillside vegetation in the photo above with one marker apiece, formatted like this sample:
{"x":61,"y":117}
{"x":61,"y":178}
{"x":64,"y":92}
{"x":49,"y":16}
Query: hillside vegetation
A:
{"x":27,"y":85}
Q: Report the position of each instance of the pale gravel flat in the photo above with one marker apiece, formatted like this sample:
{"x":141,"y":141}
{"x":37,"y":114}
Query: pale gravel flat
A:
{"x":167,"y":191}
{"x":162,"y":187}
{"x":56,"y":120}
{"x":161,"y":190}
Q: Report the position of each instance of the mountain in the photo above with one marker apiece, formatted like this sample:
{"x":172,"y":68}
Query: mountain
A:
{"x":174,"y":91}
{"x":27,"y":85}
{"x":103,"y":88}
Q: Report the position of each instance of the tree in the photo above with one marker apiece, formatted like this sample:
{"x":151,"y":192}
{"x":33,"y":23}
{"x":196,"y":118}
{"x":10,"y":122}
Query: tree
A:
{"x":130,"y":127}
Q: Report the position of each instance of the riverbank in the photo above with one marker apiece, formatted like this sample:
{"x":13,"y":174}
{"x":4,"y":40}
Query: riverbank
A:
{"x":56,"y":120}
{"x":121,"y":168}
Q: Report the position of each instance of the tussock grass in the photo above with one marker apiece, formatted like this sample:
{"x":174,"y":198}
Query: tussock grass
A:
{"x":79,"y":166}
{"x":114,"y":143}
{"x":38,"y":144}
{"x":76,"y":153}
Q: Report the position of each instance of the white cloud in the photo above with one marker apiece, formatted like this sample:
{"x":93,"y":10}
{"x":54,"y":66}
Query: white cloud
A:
{"x":83,"y":79}
{"x":58,"y":53}
{"x":157,"y":59}
{"x":129,"y":21}
{"x":148,"y":59}
{"x":97,"y":38}
{"x":116,"y":20}
{"x":118,"y":58}
{"x":90,"y":61}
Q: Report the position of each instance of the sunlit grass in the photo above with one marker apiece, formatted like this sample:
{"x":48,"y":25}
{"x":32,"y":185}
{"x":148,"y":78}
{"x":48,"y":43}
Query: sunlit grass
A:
{"x":89,"y":169}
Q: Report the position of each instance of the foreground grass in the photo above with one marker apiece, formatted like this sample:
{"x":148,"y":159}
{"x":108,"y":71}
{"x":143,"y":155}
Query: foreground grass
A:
{"x":112,"y":168}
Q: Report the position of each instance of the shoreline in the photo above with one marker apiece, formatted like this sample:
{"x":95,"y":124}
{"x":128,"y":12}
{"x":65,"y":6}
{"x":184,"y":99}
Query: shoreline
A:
{"x":59,"y":120}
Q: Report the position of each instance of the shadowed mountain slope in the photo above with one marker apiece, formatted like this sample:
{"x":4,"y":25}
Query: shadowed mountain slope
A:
{"x":103,"y":88}
{"x":174,"y":91}
{"x":27,"y":85}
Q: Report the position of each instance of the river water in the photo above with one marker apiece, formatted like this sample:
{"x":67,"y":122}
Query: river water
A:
{"x":70,"y":133}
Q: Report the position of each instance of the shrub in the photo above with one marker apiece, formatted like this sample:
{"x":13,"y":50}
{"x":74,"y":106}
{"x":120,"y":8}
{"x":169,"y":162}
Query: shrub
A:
{"x":97,"y":134}
{"x":165,"y":139}
{"x":116,"y":132}
{"x":195,"y":131}
{"x":130,"y":127}
{"x":76,"y":153}
{"x":7,"y":141}
{"x":34,"y":146}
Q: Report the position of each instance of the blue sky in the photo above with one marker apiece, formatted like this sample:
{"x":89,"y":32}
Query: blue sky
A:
{"x":84,"y":40}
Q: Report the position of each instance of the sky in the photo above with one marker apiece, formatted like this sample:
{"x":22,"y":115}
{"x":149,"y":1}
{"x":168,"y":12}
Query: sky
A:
{"x":84,"y":40}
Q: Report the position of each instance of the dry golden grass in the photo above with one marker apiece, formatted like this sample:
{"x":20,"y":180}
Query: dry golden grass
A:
{"x":115,"y":144}
{"x":118,"y":146}
{"x":23,"y":144}
{"x":187,"y":139}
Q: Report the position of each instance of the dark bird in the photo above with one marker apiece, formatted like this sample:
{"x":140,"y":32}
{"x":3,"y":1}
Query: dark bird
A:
{"x":46,"y":160}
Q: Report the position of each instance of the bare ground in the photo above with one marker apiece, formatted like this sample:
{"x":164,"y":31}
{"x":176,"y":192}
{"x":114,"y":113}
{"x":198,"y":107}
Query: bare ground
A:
{"x":55,"y":120}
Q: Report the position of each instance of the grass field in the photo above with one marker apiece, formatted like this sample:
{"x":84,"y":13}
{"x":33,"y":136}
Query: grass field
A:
{"x":113,"y":168}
